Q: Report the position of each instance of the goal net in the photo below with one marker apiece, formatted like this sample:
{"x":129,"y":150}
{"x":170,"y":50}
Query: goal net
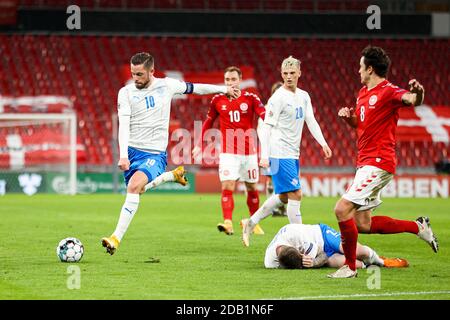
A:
{"x":34,"y":149}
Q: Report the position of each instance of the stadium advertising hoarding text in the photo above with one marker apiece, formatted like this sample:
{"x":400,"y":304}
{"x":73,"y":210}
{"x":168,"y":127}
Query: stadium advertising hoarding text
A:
{"x":313,"y":185}
{"x":87,"y":183}
{"x":333,"y":185}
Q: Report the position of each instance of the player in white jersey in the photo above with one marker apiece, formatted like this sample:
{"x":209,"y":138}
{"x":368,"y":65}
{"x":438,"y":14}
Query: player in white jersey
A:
{"x":144,"y":115}
{"x":298,"y":246}
{"x":287,"y":111}
{"x":280,"y":211}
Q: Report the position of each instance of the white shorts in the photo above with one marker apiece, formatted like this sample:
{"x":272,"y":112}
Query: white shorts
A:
{"x":366,"y":187}
{"x":236,"y":166}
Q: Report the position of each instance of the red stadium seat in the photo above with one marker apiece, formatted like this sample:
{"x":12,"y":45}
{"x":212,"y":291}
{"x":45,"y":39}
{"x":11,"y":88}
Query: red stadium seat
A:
{"x":85,"y":68}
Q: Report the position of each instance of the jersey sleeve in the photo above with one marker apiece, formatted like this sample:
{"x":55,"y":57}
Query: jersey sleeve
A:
{"x":210,"y":117}
{"x":124,"y":113}
{"x":273,"y":111}
{"x":310,"y":249}
{"x":312,"y":124}
{"x":396,"y":94}
{"x":178,"y":86}
{"x":123,"y":104}
{"x":258,"y":106}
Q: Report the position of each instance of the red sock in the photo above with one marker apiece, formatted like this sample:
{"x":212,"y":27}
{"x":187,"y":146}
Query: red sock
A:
{"x":349,"y":237}
{"x":386,"y":225}
{"x":252,"y":201}
{"x":227,"y":204}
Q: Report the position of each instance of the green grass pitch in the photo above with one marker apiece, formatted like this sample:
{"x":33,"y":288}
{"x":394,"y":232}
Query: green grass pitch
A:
{"x":196,"y":261}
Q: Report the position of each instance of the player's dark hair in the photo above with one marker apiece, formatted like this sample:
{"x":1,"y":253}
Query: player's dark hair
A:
{"x":376,"y":58}
{"x":143,"y":58}
{"x":290,"y":258}
{"x":232,"y":69}
{"x":275,"y":87}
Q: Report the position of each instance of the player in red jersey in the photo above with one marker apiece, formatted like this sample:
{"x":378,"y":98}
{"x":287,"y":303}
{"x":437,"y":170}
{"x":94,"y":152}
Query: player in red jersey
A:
{"x":375,"y":120}
{"x":238,"y":159}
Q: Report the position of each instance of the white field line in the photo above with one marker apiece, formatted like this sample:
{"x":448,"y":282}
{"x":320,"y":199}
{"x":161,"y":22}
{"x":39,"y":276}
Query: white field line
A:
{"x":364,"y":295}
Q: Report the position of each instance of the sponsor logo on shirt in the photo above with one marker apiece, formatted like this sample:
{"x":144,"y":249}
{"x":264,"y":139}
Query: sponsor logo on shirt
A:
{"x":373,"y":99}
{"x":224,"y":107}
{"x":294,"y":181}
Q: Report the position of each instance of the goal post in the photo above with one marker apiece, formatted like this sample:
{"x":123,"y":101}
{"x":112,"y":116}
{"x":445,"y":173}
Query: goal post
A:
{"x":38,"y":143}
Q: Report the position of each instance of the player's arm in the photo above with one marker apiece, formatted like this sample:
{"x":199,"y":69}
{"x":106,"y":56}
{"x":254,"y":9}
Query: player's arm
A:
{"x":319,"y":261}
{"x":259,"y":108}
{"x":416,"y":94}
{"x":207,"y":124}
{"x":313,"y":255}
{"x":348,"y":114}
{"x":264,"y":138}
{"x":273,"y":110}
{"x":181,"y":87}
{"x":124,"y":113}
{"x":315,"y":130}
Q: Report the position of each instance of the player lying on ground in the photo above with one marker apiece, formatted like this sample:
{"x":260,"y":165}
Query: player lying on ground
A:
{"x":144,"y":115}
{"x":298,"y":246}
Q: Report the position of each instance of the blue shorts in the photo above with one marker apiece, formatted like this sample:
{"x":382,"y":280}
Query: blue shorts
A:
{"x":151,"y":164}
{"x":331,"y":240}
{"x":266,"y":172}
{"x":285,"y":174}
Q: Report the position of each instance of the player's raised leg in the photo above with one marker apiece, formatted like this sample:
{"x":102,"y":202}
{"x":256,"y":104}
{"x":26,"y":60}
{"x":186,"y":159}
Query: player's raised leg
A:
{"x":144,"y":167}
{"x":264,"y":211}
{"x":177,"y":175}
{"x":387,"y":225}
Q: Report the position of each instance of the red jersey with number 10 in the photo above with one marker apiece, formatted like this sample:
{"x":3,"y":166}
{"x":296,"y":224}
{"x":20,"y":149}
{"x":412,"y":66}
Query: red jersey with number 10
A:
{"x":377,"y":116}
{"x":236,"y":118}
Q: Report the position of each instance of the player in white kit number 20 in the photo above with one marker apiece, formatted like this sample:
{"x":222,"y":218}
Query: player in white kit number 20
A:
{"x":288,"y":109}
{"x":144,"y":115}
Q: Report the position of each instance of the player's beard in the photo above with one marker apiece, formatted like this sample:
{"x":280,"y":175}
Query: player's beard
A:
{"x":141,"y":85}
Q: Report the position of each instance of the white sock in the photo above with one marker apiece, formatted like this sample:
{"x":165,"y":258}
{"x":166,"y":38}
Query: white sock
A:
{"x":373,"y":258}
{"x":266,"y":209}
{"x":165,"y":177}
{"x":269,"y":190}
{"x":127,"y":213}
{"x":293,"y":211}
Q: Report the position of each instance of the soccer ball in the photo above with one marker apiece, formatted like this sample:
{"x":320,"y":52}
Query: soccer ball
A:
{"x":70,"y":250}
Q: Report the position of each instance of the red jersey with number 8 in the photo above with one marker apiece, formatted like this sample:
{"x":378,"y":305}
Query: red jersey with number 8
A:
{"x":377,"y":116}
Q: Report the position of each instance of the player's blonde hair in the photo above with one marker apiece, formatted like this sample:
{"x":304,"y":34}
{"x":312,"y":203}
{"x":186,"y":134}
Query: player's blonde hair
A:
{"x":290,"y":62}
